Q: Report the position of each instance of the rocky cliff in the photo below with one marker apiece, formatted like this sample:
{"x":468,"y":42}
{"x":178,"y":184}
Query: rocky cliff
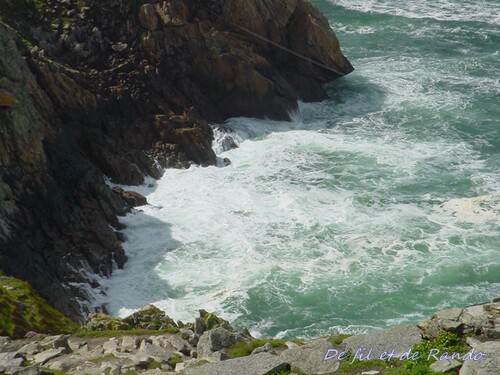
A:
{"x":120,"y":89}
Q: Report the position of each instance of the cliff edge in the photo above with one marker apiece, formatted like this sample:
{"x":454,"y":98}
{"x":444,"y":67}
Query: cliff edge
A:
{"x":119,"y":89}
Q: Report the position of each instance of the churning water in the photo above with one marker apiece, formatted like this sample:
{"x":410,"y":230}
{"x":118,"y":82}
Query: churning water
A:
{"x":371,"y":209}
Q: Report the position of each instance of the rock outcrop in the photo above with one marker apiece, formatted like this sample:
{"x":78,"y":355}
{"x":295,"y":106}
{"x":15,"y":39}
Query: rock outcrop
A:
{"x":184,"y":352}
{"x":122,"y":89}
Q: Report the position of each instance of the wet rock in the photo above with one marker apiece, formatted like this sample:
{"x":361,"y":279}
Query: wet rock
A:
{"x":133,"y":198}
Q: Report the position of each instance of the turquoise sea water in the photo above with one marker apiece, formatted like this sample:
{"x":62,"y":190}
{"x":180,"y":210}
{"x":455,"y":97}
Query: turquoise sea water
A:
{"x":374,"y":208}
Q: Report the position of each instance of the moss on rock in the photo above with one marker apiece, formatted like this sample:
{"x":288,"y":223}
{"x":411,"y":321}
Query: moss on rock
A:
{"x":23,"y":310}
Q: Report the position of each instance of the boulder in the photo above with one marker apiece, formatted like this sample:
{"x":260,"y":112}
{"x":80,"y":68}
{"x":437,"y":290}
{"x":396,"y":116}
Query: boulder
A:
{"x":216,"y":340}
{"x":259,"y":364}
{"x":47,"y":355}
{"x":399,"y":338}
{"x":446,"y":365}
{"x":488,"y":365}
{"x":266,"y":348}
{"x":309,"y":358}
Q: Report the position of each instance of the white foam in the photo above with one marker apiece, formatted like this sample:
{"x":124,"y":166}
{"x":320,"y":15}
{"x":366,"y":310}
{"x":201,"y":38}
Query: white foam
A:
{"x":442,"y":10}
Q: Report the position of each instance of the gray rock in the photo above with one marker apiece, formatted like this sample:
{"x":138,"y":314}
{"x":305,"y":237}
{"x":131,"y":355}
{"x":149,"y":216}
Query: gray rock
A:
{"x":451,"y":326}
{"x":309,"y":358}
{"x":372,"y":372}
{"x":472,"y":342}
{"x":448,"y":314}
{"x":399,"y":338}
{"x":430,"y":328}
{"x":31,"y":349}
{"x":180,"y":344}
{"x":266,"y":348}
{"x":119,"y":47}
{"x":215,"y":340}
{"x":158,"y":354}
{"x":110,"y":346}
{"x":488,"y":365}
{"x":217,"y":357}
{"x":446,"y":365}
{"x":47,"y":355}
{"x":259,"y":364}
{"x":129,"y":344}
{"x":11,"y":359}
{"x":54,"y":342}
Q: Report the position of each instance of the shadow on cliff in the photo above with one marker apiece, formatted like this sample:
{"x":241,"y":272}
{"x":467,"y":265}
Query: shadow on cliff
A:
{"x":138,"y":284}
{"x":353,"y":97}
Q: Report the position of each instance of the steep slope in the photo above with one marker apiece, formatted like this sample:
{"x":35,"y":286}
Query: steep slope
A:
{"x":122,"y":89}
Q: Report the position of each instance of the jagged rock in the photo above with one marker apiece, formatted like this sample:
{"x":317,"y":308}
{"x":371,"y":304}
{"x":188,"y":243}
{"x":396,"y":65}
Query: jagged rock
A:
{"x":309,"y":358}
{"x":147,"y":17}
{"x":80,"y":116}
{"x":110,"y":346}
{"x":6,"y":100}
{"x":103,"y":322}
{"x":216,"y":340}
{"x":55,"y":342}
{"x":149,"y":317}
{"x":156,"y":353}
{"x":446,"y":365}
{"x":31,"y":349}
{"x":266,"y":348}
{"x":180,"y":344}
{"x":119,"y":47}
{"x":486,"y":365}
{"x":133,"y":198}
{"x":259,"y":364}
{"x":129,"y":344}
{"x":47,"y":355}
{"x":208,"y":321}
{"x":10,"y":360}
{"x":399,"y":338}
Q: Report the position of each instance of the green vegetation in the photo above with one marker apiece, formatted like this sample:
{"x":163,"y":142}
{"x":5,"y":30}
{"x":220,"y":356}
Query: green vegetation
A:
{"x":104,"y":358}
{"x":45,"y":370}
{"x":337,"y":339}
{"x":153,"y":365}
{"x":174,"y":359}
{"x":242,"y":349}
{"x":23,"y":310}
{"x":130,"y":332}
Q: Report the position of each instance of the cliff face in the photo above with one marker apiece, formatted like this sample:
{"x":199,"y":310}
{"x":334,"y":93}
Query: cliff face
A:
{"x":121,"y":89}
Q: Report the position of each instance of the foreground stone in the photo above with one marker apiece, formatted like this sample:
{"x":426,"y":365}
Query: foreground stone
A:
{"x":258,"y":364}
{"x":399,"y":338}
{"x":309,"y":358}
{"x":485,"y":366}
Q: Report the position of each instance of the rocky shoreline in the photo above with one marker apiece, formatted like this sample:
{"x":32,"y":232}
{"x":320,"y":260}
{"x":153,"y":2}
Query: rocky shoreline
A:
{"x":120,"y":89}
{"x":463,"y":341}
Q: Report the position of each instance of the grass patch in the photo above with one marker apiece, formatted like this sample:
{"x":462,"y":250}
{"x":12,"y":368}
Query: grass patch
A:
{"x":104,"y":358}
{"x":174,"y":359}
{"x":337,"y":339}
{"x":242,"y":349}
{"x":23,"y":310}
{"x":130,"y":332}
